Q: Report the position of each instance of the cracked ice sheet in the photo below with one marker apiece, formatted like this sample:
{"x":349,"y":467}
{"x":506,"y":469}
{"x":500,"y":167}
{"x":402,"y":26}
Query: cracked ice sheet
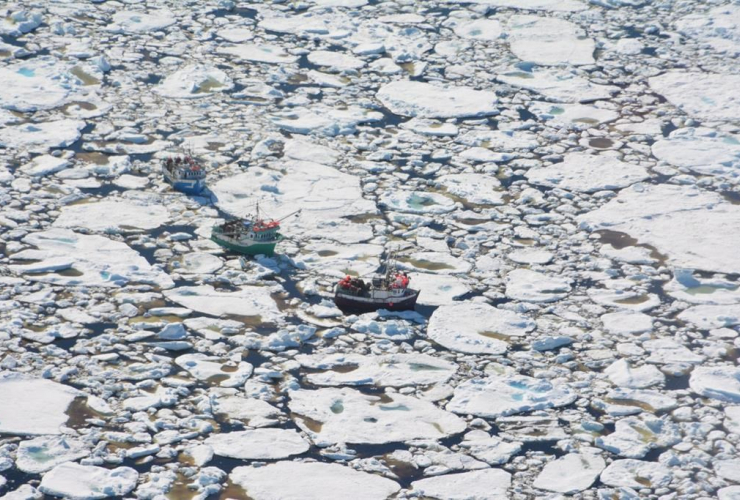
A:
{"x":326,"y":197}
{"x":37,"y":84}
{"x":684,"y":223}
{"x":94,"y":260}
{"x":424,"y":100}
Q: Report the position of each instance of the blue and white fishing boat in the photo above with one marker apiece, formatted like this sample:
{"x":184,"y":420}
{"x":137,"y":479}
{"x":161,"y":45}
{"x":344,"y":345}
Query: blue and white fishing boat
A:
{"x":185,"y":173}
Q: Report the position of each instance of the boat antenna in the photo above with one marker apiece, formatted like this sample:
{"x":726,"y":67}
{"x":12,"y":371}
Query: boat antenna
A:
{"x":290,"y":214}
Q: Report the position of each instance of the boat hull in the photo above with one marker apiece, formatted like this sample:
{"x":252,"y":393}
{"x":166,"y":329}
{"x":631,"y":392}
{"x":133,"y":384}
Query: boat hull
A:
{"x":190,"y":186}
{"x":351,"y":303}
{"x":267,"y":249}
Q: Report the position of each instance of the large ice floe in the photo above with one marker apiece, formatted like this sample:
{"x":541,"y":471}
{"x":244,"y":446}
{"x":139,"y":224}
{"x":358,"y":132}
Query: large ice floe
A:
{"x":37,"y":84}
{"x":549,"y":41}
{"x":395,"y":370}
{"x":194,"y":81}
{"x":508,"y":395}
{"x":489,"y":484}
{"x":83,"y":482}
{"x":331,"y":416}
{"x":682,"y":222}
{"x":252,"y":301}
{"x":424,"y":100}
{"x":701,"y":150}
{"x":477,"y":328}
{"x":63,"y":257}
{"x":588,"y":173}
{"x":706,"y":96}
{"x":311,"y":481}
{"x":42,"y":136}
{"x":44,"y":413}
{"x":258,"y":444}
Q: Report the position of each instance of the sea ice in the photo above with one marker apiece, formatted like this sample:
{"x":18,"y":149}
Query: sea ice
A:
{"x":499,"y":396}
{"x":424,"y":100}
{"x":395,"y":370}
{"x":710,"y":317}
{"x":94,"y":261}
{"x":247,"y":301}
{"x":588,"y":173}
{"x":40,"y":137}
{"x":87,"y":482}
{"x":46,"y":452}
{"x":478,"y":189}
{"x":194,"y":81}
{"x":112,"y":216}
{"x":622,"y":374}
{"x":718,"y":27}
{"x":546,"y":5}
{"x":487,"y":484}
{"x":477,"y":328}
{"x":438,"y":289}
{"x":702,"y":150}
{"x":37,"y":83}
{"x":627,"y":322}
{"x":629,"y":473}
{"x":416,"y":202}
{"x":258,"y":444}
{"x":549,"y":41}
{"x":311,"y":481}
{"x":634,"y":437}
{"x":717,"y":382}
{"x":531,"y":286}
{"x":213,"y":369}
{"x":579,"y":116}
{"x":335,"y":61}
{"x":707,"y":96}
{"x":44,"y":165}
{"x":479,"y":29}
{"x":263,"y":53}
{"x":43,"y":413}
{"x":558,"y":85}
{"x":571,"y":473}
{"x":684,"y":223}
{"x":331,"y":416}
{"x":135,"y":22}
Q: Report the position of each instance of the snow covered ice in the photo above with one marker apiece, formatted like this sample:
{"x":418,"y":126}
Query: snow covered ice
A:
{"x":560,"y":180}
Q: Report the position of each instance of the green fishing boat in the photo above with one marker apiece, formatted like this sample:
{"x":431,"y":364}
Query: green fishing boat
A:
{"x":251,"y":235}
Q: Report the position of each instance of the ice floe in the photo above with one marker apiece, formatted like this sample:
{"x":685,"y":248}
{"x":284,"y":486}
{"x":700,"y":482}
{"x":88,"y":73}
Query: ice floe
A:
{"x":44,"y":413}
{"x":311,"y":481}
{"x":549,"y":41}
{"x":87,"y":482}
{"x":682,"y":222}
{"x":488,"y":484}
{"x":531,"y":286}
{"x":424,"y":100}
{"x":194,"y":81}
{"x":331,"y":416}
{"x":121,"y":215}
{"x":40,"y":137}
{"x":258,"y":444}
{"x":250,"y":301}
{"x":719,"y":27}
{"x":129,"y":21}
{"x":588,"y":173}
{"x":717,"y":382}
{"x":68,"y":258}
{"x":508,"y":395}
{"x":707,"y":96}
{"x":701,"y":150}
{"x":558,"y":85}
{"x":570,"y":474}
{"x":477,"y":328}
{"x":46,"y":452}
{"x":395,"y":370}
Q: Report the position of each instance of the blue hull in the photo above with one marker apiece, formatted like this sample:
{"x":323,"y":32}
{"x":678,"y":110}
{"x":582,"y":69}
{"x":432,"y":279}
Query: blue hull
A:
{"x":190,"y":186}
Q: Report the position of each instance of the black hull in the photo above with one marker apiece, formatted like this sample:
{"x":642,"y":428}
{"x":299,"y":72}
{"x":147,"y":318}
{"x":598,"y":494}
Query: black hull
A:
{"x":352,"y":304}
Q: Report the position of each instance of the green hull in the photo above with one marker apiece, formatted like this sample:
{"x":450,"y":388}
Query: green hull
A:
{"x":253,"y":249}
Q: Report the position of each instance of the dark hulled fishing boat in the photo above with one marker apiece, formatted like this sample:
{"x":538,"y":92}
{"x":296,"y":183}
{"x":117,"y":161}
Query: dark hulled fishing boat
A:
{"x":386,"y":291}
